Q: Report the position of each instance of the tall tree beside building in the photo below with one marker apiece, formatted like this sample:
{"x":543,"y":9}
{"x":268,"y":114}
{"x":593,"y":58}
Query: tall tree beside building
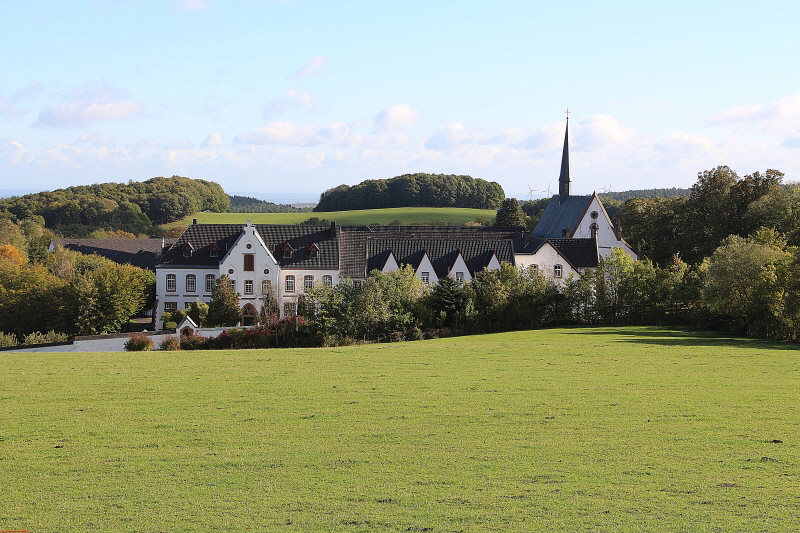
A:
{"x":223,"y":310}
{"x":510,"y":214}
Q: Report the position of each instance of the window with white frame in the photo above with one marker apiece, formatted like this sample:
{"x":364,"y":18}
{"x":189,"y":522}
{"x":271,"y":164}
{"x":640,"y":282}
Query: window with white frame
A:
{"x":191,"y":283}
{"x":557,"y":271}
{"x":172,"y":282}
{"x":308,"y":282}
{"x":327,"y":281}
{"x":233,"y":285}
{"x":210,"y":280}
{"x":248,"y":286}
{"x":266,"y":286}
{"x":426,"y":278}
{"x":170,"y":306}
{"x":289,"y":309}
{"x":290,"y":283}
{"x":459,"y":276}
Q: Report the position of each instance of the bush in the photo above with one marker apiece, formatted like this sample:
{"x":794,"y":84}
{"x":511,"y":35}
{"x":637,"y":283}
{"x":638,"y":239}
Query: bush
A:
{"x":139,"y":342}
{"x":44,"y":338}
{"x":171,"y":325}
{"x":8,"y":339}
{"x":194,"y":342}
{"x":170,"y":344}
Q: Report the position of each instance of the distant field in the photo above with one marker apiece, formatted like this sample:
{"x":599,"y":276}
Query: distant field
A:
{"x":406,"y":215}
{"x":592,"y":429}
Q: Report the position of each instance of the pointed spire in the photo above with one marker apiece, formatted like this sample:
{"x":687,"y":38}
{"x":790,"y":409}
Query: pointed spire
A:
{"x":565,"y":180}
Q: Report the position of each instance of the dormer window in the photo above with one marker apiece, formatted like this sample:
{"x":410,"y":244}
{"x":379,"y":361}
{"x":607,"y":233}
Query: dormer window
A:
{"x":288,"y":251}
{"x":313,"y":250}
{"x":187,"y":250}
{"x":213,"y":250}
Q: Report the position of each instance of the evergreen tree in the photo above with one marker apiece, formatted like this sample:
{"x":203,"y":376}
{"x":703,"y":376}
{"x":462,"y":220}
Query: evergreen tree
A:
{"x":223,"y":310}
{"x":510,"y":214}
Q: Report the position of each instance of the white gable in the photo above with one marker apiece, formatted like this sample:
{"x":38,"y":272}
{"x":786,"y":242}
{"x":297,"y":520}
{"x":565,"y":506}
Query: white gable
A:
{"x":550,"y":263}
{"x":459,"y":269}
{"x":606,"y":236}
{"x":391,"y":263}
{"x":425,"y":268}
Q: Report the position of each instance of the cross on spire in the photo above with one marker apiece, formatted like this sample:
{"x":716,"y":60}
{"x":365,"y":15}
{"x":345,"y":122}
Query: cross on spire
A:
{"x":567,"y":113}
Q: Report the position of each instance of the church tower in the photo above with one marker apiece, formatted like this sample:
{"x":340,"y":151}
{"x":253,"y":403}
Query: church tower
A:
{"x":565,"y":180}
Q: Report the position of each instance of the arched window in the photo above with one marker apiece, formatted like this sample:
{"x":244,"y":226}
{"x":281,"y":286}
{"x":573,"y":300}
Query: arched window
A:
{"x":308,"y":282}
{"x":289,"y":283}
{"x":327,"y":281}
{"x":210,"y":280}
{"x":172,"y":282}
{"x":191,"y":283}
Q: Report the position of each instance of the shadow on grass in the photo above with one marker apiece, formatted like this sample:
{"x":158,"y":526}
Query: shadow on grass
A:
{"x":678,"y":337}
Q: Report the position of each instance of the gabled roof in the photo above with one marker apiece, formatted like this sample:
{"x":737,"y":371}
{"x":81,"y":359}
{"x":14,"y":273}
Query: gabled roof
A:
{"x":142,"y":253}
{"x":580,"y":253}
{"x":442,"y":253}
{"x":353,"y":241}
{"x":300,"y":238}
{"x":561,"y":214}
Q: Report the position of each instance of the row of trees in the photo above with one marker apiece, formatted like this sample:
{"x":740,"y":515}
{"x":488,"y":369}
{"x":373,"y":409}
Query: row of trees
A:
{"x":414,"y":190}
{"x":69,"y":292}
{"x":720,"y":204}
{"x":748,"y":286}
{"x":133,"y":207}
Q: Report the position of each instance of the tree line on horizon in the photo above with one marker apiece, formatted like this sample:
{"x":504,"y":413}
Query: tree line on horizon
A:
{"x":414,"y":190}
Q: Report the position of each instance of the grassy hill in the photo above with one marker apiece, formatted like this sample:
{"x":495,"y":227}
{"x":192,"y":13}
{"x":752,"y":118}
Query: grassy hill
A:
{"x":406,"y":215}
{"x":593,"y":429}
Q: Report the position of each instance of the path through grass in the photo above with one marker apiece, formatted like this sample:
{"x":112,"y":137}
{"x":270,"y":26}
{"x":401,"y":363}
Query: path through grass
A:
{"x":624,"y":429}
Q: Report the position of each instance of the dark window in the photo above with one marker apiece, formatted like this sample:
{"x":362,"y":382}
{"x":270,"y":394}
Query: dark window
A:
{"x":249,"y":263}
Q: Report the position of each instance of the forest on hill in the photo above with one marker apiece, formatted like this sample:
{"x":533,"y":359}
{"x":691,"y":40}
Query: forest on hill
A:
{"x":133,"y":207}
{"x":248,"y":204}
{"x":414,"y":190}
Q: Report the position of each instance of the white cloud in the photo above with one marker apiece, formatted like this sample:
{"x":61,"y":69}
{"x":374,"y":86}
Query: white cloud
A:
{"x":684,"y":143}
{"x":289,"y":134}
{"x":447,"y":137}
{"x":291,"y":100}
{"x":778,"y":118}
{"x":95,"y":138}
{"x":87,"y":106}
{"x":312,"y":67}
{"x":396,"y":117}
{"x":600,"y":131}
{"x":8,"y":104}
{"x":215,"y":139}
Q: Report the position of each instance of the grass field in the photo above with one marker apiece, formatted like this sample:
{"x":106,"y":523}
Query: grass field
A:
{"x":406,"y":215}
{"x":588,"y":429}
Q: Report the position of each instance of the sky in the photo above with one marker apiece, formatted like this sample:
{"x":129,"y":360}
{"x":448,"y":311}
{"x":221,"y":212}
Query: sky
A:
{"x":293,"y":97}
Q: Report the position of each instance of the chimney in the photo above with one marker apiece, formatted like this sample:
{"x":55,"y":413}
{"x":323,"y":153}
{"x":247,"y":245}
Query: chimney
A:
{"x":333,"y":229}
{"x":194,"y":221}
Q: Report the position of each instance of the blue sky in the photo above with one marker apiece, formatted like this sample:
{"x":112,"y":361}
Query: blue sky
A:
{"x":277,"y":97}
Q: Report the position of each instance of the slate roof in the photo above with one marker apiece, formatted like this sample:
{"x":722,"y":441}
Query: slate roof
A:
{"x":140,"y":252}
{"x":580,"y":253}
{"x":356,"y":259}
{"x":560,"y":215}
{"x":275,"y":237}
{"x":442,"y":253}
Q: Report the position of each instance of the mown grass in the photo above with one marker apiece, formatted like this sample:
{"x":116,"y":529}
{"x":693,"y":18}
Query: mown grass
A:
{"x":406,"y":215}
{"x":588,"y":429}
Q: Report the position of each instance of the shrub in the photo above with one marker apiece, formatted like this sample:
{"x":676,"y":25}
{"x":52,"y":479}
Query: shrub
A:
{"x":194,"y":342}
{"x":139,"y":342}
{"x":170,"y":344}
{"x":171,"y":325}
{"x":44,"y":338}
{"x":8,"y":339}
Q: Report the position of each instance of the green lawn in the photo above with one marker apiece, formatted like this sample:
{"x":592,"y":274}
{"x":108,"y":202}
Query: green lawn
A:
{"x":587,"y":429}
{"x":406,"y":215}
